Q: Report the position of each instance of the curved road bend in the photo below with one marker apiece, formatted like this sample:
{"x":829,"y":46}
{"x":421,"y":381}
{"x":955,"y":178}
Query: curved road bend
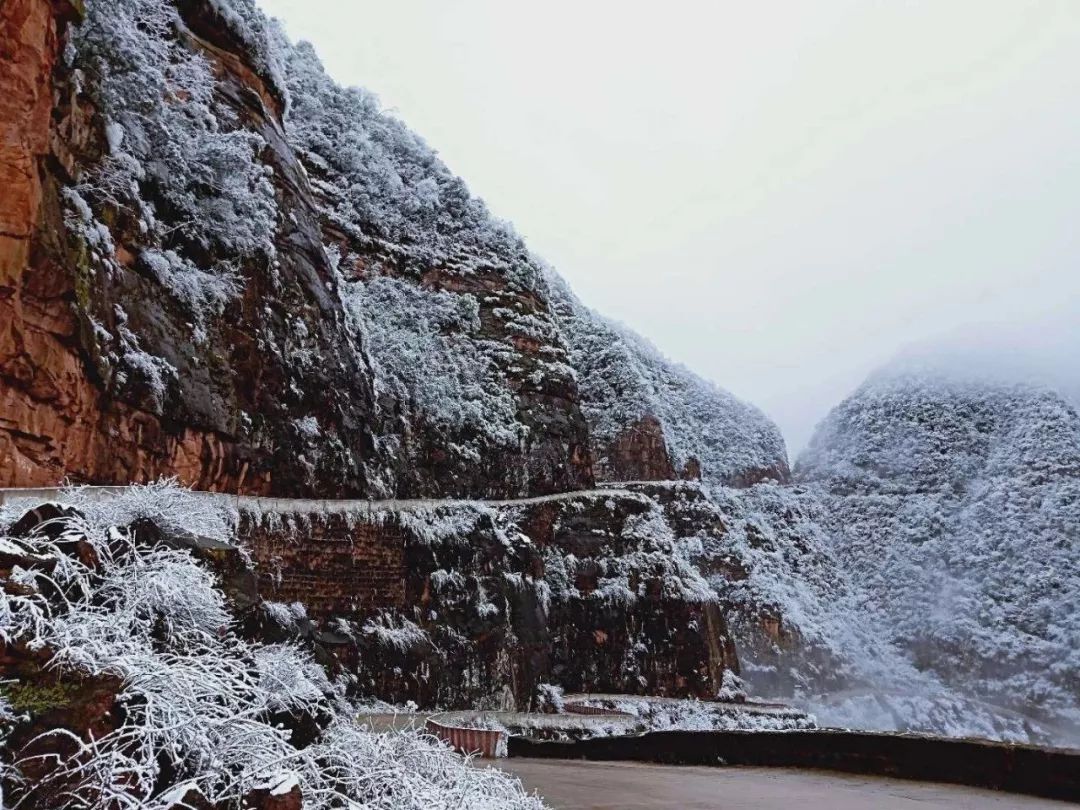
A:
{"x":580,"y":785}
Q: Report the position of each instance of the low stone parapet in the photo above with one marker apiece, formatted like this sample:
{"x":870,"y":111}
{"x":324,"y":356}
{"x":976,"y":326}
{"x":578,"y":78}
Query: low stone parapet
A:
{"x":1053,"y":773}
{"x":483,"y":742}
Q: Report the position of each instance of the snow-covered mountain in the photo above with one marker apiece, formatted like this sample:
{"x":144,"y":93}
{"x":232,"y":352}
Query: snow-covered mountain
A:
{"x":953,"y":501}
{"x":216,"y":264}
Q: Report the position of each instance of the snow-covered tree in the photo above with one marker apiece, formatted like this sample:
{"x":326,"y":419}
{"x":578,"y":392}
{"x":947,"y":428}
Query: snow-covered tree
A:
{"x":196,"y":703}
{"x":178,"y":167}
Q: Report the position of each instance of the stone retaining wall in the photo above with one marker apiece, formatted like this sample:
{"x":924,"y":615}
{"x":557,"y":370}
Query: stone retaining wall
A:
{"x":333,"y":567}
{"x":1052,"y":773}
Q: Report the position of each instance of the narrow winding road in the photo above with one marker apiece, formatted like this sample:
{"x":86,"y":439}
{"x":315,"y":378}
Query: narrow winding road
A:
{"x":579,"y":785}
{"x":262,"y":504}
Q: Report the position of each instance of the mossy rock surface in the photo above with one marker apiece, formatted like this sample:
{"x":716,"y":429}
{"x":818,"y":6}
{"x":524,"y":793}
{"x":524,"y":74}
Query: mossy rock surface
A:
{"x":36,"y":699}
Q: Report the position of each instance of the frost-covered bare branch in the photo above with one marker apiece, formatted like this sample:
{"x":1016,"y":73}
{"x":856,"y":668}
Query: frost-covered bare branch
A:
{"x":197,"y":702}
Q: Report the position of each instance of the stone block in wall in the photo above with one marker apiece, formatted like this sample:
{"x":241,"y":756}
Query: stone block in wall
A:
{"x":334,"y":565}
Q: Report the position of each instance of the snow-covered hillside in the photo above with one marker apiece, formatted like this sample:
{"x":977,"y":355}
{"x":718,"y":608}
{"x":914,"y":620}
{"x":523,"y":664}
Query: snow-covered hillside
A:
{"x":623,"y":380}
{"x":799,"y":618}
{"x":433,"y":345}
{"x":954,"y":504}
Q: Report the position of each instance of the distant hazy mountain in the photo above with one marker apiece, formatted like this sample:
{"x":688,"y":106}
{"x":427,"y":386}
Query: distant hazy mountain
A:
{"x":953,"y":500}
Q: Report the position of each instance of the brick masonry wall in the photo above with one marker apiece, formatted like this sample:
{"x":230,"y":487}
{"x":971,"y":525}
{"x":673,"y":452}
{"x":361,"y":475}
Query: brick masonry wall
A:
{"x":331,"y":567}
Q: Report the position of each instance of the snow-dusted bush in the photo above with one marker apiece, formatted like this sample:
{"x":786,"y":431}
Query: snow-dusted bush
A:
{"x":395,"y":632}
{"x":284,"y":615}
{"x":402,"y":770}
{"x":205,"y":293}
{"x":198,"y":700}
{"x":177,"y":163}
{"x":428,"y":354}
{"x":170,"y":506}
{"x":291,"y":678}
{"x":153,"y":619}
{"x":549,"y":698}
{"x":732,"y":688}
{"x":446,"y":523}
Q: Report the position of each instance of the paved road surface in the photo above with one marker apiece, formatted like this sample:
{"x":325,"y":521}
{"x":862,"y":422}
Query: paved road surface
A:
{"x":578,"y":785}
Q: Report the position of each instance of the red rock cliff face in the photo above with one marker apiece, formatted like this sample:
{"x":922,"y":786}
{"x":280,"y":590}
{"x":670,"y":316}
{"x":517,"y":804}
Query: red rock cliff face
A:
{"x":225,"y":423}
{"x":640,"y":453}
{"x":260,"y":405}
{"x":56,"y":420}
{"x":51,"y":422}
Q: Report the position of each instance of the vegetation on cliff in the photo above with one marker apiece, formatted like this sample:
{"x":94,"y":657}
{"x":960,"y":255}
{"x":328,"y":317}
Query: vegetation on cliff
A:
{"x":198,"y":716}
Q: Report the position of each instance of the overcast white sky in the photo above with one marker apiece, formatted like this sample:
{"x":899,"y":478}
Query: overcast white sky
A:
{"x":782,"y":195}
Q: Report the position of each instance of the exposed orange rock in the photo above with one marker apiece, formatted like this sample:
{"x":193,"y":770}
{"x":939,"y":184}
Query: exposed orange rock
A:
{"x":55,"y":421}
{"x":32,"y":362}
{"x":639,"y":453}
{"x":28,"y":41}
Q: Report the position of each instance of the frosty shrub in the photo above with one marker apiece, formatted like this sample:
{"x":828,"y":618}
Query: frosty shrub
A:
{"x":395,"y":632}
{"x":197,"y":700}
{"x":170,"y":506}
{"x":428,"y":355}
{"x":177,"y":163}
{"x":549,"y":698}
